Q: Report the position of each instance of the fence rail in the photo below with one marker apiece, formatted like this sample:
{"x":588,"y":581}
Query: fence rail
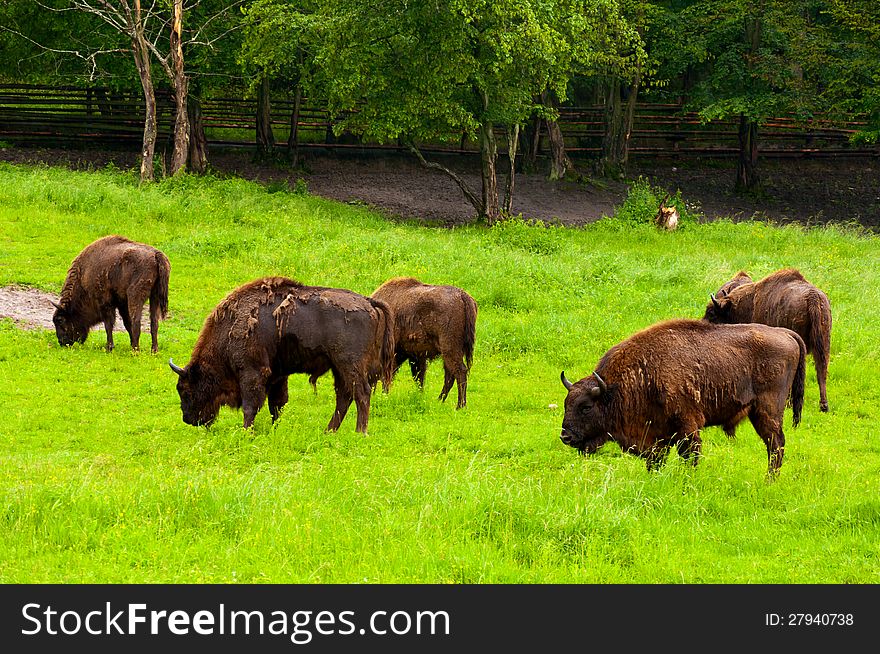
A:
{"x":99,"y":117}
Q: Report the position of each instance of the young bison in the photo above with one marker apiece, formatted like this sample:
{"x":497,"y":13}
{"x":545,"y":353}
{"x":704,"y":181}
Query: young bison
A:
{"x":111,"y":274}
{"x":432,"y":321}
{"x":783,"y":299}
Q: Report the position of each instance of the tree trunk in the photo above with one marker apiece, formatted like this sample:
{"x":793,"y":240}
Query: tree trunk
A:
{"x":198,"y":142}
{"x":293,"y":138}
{"x":512,"y":140}
{"x":142,"y":62}
{"x":559,"y":161}
{"x":620,"y":105}
{"x":488,"y":158}
{"x":181,"y":90}
{"x":747,"y":164}
{"x":265,"y":136}
{"x":531,"y":136}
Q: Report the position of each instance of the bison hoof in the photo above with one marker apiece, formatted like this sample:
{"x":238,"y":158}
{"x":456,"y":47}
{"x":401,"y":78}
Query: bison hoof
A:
{"x":823,"y":407}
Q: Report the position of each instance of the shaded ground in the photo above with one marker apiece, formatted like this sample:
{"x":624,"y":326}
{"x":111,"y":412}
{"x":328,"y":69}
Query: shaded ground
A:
{"x":809,"y":190}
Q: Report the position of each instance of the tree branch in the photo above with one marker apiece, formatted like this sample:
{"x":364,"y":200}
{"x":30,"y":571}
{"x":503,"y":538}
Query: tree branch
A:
{"x":468,"y":193}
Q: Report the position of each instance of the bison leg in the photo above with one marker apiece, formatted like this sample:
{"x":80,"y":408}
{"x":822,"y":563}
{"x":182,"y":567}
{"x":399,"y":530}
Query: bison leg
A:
{"x":821,"y":375}
{"x":277,"y":397}
{"x":135,"y":312}
{"x":362,"y":402}
{"x":770,"y":431}
{"x":418,"y":366}
{"x":690,"y":448}
{"x":454,"y":371}
{"x":154,"y":326}
{"x":343,"y":401}
{"x":656,"y":456}
{"x":253,"y":395}
{"x":109,"y":321}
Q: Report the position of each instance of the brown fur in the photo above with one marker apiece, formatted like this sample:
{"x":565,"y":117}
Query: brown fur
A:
{"x":432,"y":321}
{"x":742,"y":277}
{"x":783,"y":299}
{"x":667,"y":382}
{"x":667,"y":216}
{"x":272,"y":327}
{"x":111,"y":274}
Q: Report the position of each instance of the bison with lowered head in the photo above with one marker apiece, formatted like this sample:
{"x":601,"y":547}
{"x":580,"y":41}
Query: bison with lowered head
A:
{"x":432,"y":321}
{"x":661,"y":386}
{"x":273,"y":327}
{"x":111,"y":274}
{"x":783,"y":299}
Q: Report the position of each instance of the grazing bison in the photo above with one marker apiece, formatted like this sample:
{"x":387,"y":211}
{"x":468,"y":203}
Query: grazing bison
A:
{"x":273,"y":327}
{"x":662,"y":385}
{"x":111,"y":274}
{"x":432,"y":321}
{"x":783,"y":299}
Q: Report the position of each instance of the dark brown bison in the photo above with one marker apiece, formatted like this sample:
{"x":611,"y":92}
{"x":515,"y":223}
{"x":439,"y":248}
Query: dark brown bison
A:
{"x":783,"y":299}
{"x":662,"y":385}
{"x":432,"y":321}
{"x":111,"y":274}
{"x":273,"y":327}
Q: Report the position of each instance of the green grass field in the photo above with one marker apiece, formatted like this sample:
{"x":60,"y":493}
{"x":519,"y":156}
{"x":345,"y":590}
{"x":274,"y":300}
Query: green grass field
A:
{"x":101,"y":481}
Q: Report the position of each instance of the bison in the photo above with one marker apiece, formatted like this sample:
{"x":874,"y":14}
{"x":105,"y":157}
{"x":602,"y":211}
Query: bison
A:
{"x":270,"y":328}
{"x":783,"y":299}
{"x":111,"y":274}
{"x":432,"y":321}
{"x":659,"y":387}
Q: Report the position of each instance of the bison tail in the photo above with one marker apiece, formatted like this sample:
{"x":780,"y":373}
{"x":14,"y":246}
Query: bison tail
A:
{"x":159,"y":294}
{"x":820,"y":328}
{"x":797,"y":387}
{"x":470,"y":328}
{"x":387,"y":345}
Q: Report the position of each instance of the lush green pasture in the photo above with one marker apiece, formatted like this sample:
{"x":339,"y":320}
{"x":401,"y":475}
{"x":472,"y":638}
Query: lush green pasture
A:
{"x":101,"y":481}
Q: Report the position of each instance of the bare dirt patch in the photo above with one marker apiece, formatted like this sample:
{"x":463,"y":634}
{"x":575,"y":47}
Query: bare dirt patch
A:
{"x":31,"y":308}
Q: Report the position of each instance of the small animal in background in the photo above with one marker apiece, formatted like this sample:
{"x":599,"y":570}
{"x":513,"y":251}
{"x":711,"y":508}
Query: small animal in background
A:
{"x":782,"y":299}
{"x":111,"y":274}
{"x":432,"y":321}
{"x":667,"y":216}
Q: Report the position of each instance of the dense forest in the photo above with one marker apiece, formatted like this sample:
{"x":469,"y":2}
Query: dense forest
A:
{"x":417,"y":72}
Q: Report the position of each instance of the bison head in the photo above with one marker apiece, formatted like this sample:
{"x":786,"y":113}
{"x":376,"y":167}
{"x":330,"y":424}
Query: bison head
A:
{"x":719,"y":309}
{"x":199,"y":394}
{"x":583,"y":426}
{"x":67,"y":328}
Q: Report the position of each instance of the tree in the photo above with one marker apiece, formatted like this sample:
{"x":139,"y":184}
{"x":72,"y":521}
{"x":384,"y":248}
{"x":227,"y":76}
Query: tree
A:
{"x":757,"y":57}
{"x":280,"y":40}
{"x":431,"y":70}
{"x":142,"y":29}
{"x":851,"y":85}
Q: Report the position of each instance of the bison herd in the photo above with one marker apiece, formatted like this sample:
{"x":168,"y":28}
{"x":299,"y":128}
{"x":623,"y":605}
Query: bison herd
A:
{"x":653,"y":391}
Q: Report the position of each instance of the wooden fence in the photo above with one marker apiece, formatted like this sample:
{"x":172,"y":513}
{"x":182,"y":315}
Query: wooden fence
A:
{"x":98,"y":117}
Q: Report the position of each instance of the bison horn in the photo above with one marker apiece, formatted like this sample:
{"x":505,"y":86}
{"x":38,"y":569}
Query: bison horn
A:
{"x":55,"y":304}
{"x":601,"y":381}
{"x":565,"y":382}
{"x":175,"y":368}
{"x":715,"y":301}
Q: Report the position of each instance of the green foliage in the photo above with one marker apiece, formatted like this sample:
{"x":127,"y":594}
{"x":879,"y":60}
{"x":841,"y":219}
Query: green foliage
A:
{"x":100,"y":480}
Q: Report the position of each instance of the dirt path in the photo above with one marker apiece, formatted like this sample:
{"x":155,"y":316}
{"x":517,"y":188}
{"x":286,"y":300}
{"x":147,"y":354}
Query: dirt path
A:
{"x":813,"y":190}
{"x":30,"y":308}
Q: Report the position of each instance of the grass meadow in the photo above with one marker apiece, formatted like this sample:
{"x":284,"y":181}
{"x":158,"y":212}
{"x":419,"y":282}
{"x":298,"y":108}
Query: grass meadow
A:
{"x":101,"y":481}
